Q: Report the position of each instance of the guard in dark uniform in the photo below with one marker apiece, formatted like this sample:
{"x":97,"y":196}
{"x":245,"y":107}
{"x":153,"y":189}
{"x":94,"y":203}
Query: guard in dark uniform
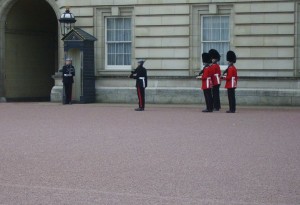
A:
{"x":205,"y":75}
{"x":231,"y":80}
{"x":68,"y":72}
{"x":140,"y":74}
{"x":216,"y":78}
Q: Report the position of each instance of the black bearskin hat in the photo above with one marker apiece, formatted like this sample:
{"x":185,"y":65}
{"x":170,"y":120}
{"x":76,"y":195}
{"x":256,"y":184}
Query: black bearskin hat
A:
{"x":214,"y":54}
{"x":206,"y":58}
{"x":231,"y":57}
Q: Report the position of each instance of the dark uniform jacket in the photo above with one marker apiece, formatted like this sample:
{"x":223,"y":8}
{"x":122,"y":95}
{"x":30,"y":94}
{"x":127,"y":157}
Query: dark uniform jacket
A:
{"x":140,"y":74}
{"x":68,"y":72}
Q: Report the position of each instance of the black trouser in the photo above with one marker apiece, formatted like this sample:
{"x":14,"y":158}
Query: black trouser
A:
{"x":231,"y":99}
{"x":208,"y":99}
{"x":216,"y":96}
{"x":141,"y":96}
{"x":68,"y":93}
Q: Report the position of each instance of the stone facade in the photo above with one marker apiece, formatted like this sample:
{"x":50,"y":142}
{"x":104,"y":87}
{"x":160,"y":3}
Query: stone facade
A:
{"x":264,"y":34}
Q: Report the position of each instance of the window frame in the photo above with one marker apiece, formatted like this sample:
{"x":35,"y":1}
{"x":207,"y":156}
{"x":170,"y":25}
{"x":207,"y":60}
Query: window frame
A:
{"x":116,"y":67}
{"x":222,"y":66}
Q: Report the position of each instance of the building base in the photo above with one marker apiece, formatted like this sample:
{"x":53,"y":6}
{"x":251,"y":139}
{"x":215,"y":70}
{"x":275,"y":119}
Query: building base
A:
{"x":187,"y":91}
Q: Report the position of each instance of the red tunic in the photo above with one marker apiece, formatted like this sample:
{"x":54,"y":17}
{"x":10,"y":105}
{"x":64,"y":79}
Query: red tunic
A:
{"x":206,"y":78}
{"x":231,"y":78}
{"x":216,"y":78}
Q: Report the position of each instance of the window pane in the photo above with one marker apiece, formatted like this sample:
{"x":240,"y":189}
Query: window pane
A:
{"x":206,"y":22}
{"x":120,"y":24}
{"x":215,"y":34}
{"x":215,"y":22}
{"x":110,"y":35}
{"x":225,"y":22}
{"x":127,"y":23}
{"x":224,"y":35}
{"x":110,"y":23}
{"x":127,"y":60}
{"x":127,"y":48}
{"x":111,"y":48}
{"x":207,"y":35}
{"x":120,"y":48}
{"x":111,"y":59}
{"x":127,"y":35}
{"x":120,"y":60}
{"x":119,"y":35}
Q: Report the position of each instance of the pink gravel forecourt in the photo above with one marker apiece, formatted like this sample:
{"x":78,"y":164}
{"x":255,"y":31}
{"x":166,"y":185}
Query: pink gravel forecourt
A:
{"x":167,"y":155}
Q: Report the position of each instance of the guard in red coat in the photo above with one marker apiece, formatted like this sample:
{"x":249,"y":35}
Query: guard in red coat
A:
{"x":231,"y":80}
{"x":205,"y":75}
{"x":216,"y":78}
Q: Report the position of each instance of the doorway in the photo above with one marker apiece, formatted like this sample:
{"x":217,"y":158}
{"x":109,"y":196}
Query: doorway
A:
{"x":31,"y":51}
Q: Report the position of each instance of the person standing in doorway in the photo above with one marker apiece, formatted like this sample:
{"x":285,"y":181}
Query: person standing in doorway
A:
{"x":216,"y":78}
{"x":205,"y":75}
{"x":68,"y":72}
{"x":231,"y":81}
{"x":140,"y":74}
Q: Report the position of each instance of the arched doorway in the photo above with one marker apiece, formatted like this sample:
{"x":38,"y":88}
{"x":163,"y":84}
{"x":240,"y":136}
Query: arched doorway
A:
{"x":31,"y":51}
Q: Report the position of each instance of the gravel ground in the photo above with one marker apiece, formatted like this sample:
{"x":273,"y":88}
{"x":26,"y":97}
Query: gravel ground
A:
{"x":112,"y":155}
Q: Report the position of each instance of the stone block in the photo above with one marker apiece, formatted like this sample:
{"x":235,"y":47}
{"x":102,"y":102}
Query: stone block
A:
{"x":162,"y":31}
{"x":286,"y":29}
{"x":296,"y":100}
{"x":148,"y":42}
{"x":250,"y":64}
{"x":242,"y":8}
{"x":175,"y":42}
{"x":125,"y":2}
{"x":175,"y":64}
{"x":161,"y":42}
{"x":248,"y":41}
{"x":268,"y":7}
{"x":248,"y":18}
{"x":162,"y":53}
{"x":213,"y":9}
{"x":264,"y":7}
{"x":84,"y":22}
{"x":176,"y":20}
{"x":279,"y":18}
{"x":286,"y":52}
{"x":286,"y":6}
{"x":162,"y":10}
{"x":56,"y":94}
{"x":262,"y":52}
{"x":242,"y":30}
{"x":264,"y":29}
{"x":279,"y":64}
{"x":278,"y":41}
{"x":148,"y":21}
{"x":86,"y":12}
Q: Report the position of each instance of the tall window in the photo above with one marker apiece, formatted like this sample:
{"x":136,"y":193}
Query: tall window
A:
{"x":118,"y":43}
{"x":215,"y":34}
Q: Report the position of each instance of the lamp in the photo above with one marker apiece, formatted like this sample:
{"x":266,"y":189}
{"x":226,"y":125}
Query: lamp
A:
{"x":67,"y":21}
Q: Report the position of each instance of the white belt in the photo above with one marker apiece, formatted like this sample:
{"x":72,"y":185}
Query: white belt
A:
{"x":233,"y":82}
{"x":143,"y":79}
{"x":67,"y":75}
{"x":218,"y":78}
{"x":208,"y":82}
